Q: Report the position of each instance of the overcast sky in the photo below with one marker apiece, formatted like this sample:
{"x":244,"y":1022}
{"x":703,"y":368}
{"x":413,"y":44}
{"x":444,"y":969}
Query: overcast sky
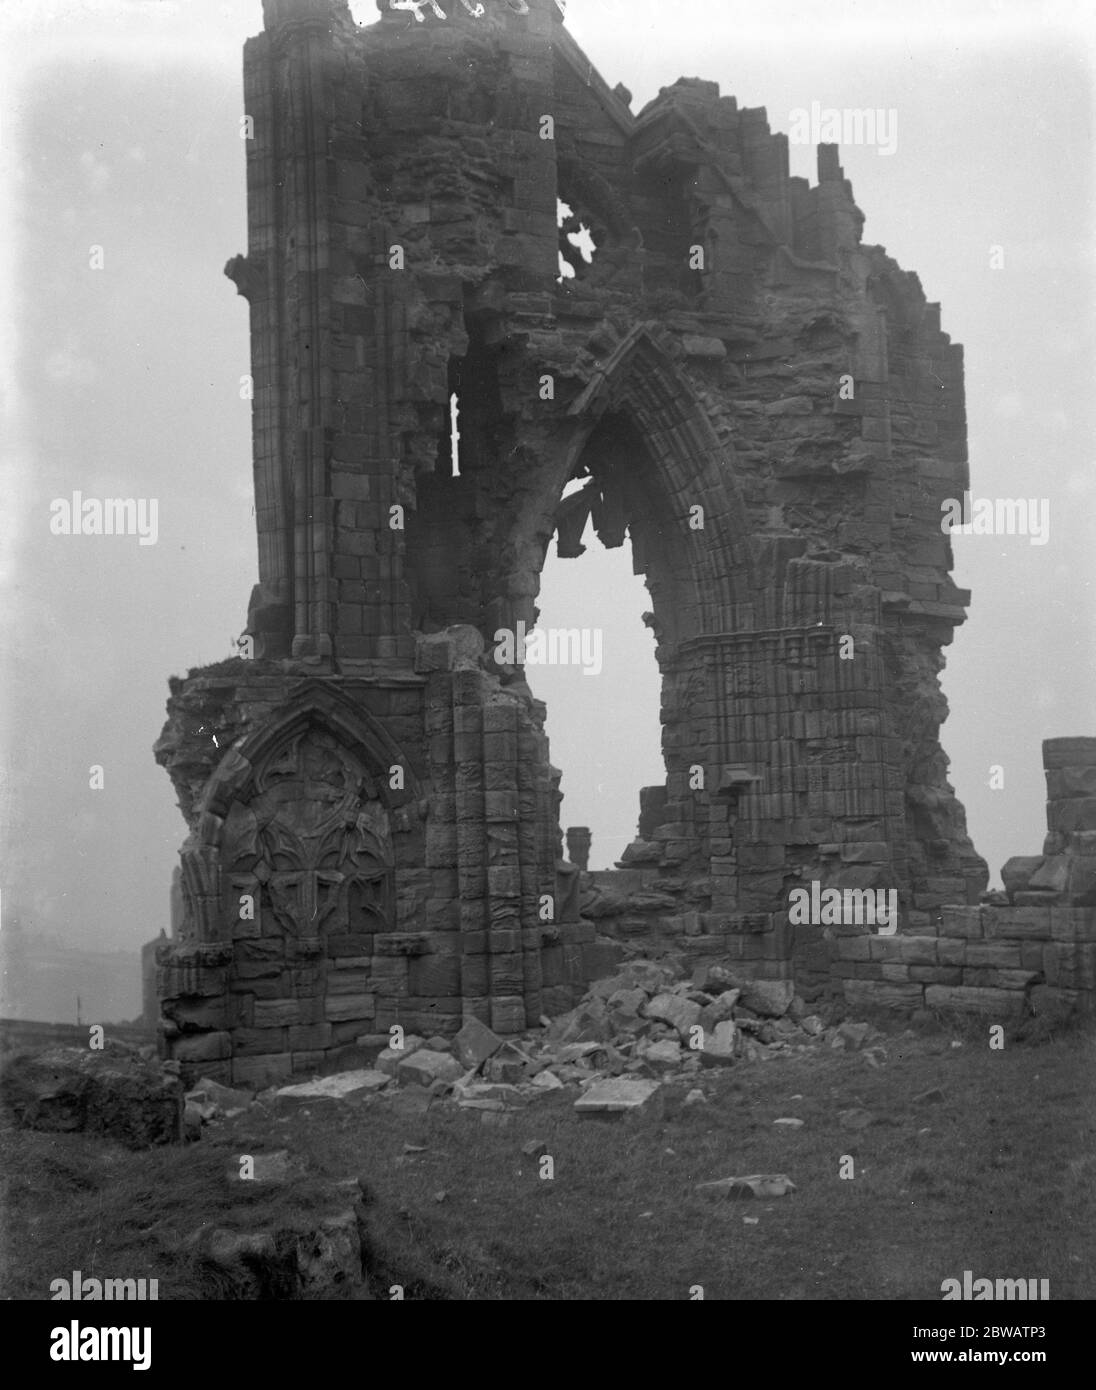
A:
{"x":120,"y":130}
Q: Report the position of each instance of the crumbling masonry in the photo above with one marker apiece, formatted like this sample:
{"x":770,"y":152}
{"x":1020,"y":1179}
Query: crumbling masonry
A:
{"x":374,"y":835}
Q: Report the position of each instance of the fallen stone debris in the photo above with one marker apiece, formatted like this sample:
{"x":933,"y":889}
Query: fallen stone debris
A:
{"x":643,"y":1029}
{"x":115,"y":1093}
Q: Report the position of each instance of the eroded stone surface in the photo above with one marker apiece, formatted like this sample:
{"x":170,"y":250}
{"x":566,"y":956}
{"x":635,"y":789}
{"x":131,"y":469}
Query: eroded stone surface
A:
{"x":616,"y":1095}
{"x":375,"y":834}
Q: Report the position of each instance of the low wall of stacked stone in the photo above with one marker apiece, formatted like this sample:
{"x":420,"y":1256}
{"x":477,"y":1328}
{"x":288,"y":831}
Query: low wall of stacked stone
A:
{"x":1004,"y":962}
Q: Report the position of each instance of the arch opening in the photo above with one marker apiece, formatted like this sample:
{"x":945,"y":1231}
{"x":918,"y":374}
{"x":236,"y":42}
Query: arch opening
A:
{"x":603,"y":709}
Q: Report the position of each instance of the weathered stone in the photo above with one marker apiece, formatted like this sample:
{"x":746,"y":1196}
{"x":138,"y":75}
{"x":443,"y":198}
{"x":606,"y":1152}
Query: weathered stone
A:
{"x":619,"y":1094}
{"x":1016,"y":873}
{"x":664,"y":1055}
{"x":447,"y":888}
{"x":768,"y":998}
{"x":475,"y":1043}
{"x":333,"y":1088}
{"x":854,"y":1034}
{"x":220,"y":1100}
{"x":756,"y":1185}
{"x":588,"y":1023}
{"x":719,"y":1010}
{"x":425,"y":1067}
{"x":720,"y":1044}
{"x":69,"y":1090}
{"x":508,"y":1096}
{"x":329,"y":1257}
{"x":676,"y":1010}
{"x":389,"y":1060}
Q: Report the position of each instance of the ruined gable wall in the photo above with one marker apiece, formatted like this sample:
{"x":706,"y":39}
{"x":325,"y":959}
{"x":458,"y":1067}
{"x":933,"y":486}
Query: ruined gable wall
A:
{"x":402,"y":248}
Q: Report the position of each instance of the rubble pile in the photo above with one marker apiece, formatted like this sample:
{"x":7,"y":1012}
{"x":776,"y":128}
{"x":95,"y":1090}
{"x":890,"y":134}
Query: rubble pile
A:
{"x":634,"y":1032}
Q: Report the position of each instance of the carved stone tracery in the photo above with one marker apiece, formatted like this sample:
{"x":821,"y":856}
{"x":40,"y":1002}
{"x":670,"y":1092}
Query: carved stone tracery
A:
{"x":314,"y":840}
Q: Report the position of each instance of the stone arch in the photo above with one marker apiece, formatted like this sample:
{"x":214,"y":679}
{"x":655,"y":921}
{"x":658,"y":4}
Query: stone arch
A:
{"x":335,"y":727}
{"x":313,"y":703}
{"x":702,"y":582}
{"x":641,"y":380}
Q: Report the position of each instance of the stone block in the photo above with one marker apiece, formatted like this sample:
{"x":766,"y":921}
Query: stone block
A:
{"x":989,"y":977}
{"x":882,"y":994}
{"x":424,"y":1067}
{"x":351,"y":981}
{"x":963,"y":922}
{"x":719,"y":1044}
{"x":1070,"y":965}
{"x":259,"y":1072}
{"x":311,"y":1037}
{"x":993,"y":1003}
{"x":394,"y":945}
{"x":475,"y":1043}
{"x":252,"y":1042}
{"x":853,"y":948}
{"x":916,"y":950}
{"x":1052,"y":874}
{"x":1004,"y":956}
{"x":936,"y":974}
{"x":277,"y":1013}
{"x":341,"y":1008}
{"x":198,"y":1015}
{"x":1016,"y":872}
{"x":435,"y":975}
{"x":390,"y":977}
{"x":202,"y":1047}
{"x":616,"y":1095}
{"x":1066,"y":782}
{"x":1017,"y":923}
{"x":1072,"y":924}
{"x":1069,"y":752}
{"x":349,"y":947}
{"x":866,"y":852}
{"x":508,"y":1015}
{"x":1079,"y":813}
{"x":1081,"y":887}
{"x":674,"y":1009}
{"x":768,"y":998}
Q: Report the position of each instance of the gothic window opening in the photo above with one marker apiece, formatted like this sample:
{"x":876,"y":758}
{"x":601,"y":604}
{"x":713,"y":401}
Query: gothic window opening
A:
{"x":576,"y":243}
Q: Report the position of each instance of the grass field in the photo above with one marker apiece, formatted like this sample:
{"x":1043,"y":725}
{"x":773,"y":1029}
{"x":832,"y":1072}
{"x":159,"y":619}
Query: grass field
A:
{"x":998,"y":1176}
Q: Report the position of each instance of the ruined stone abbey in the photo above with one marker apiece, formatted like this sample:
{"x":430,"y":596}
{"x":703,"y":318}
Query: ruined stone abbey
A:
{"x":763,"y":406}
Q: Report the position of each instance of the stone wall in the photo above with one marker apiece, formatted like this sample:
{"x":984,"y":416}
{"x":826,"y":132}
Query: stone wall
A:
{"x":762,"y":405}
{"x":1029,"y":950}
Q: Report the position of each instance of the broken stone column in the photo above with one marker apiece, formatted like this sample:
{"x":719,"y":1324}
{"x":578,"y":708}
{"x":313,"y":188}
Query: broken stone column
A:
{"x":1066,"y":871}
{"x":578,"y":845}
